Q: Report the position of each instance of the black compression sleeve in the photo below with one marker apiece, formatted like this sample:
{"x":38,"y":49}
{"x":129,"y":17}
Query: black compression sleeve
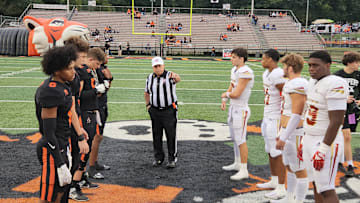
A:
{"x":49,"y":133}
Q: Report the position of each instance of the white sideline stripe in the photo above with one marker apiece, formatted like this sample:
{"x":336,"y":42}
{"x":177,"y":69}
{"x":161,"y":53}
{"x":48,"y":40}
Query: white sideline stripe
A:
{"x":136,"y":88}
{"x":18,"y":72}
{"x":109,"y":102}
{"x":19,"y":128}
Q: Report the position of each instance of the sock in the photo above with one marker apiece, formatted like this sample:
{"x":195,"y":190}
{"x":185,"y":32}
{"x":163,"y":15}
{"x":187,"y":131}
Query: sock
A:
{"x":92,"y":170}
{"x":75,"y":183}
{"x":243,"y":166}
{"x":236,"y":153}
{"x":291,"y":182}
{"x":274,"y":179}
{"x":350,"y":162}
{"x":280,"y":187}
{"x":301,"y":188}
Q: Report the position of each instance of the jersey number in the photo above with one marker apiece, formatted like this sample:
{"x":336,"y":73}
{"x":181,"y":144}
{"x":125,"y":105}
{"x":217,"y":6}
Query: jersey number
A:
{"x":312,"y":115}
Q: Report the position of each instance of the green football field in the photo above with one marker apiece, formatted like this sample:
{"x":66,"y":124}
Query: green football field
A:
{"x":198,"y":92}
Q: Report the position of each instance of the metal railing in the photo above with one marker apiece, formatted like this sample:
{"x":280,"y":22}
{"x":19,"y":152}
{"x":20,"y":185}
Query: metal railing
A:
{"x":16,"y":20}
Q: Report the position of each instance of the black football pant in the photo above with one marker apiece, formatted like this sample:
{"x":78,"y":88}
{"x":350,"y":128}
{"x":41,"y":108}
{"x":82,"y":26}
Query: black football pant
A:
{"x":164,"y":119}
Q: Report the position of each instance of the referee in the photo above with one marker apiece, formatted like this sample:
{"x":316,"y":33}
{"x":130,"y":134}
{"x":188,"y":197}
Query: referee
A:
{"x":161,"y":103}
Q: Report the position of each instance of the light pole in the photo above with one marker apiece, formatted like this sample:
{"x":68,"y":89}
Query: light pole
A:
{"x":307,"y":14}
{"x":252,"y":7}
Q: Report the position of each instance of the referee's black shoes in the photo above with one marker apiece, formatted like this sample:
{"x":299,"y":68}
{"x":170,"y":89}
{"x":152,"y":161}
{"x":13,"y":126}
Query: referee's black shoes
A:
{"x":157,"y":163}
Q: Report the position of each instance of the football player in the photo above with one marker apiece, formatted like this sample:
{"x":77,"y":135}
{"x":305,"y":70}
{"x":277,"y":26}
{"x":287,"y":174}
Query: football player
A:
{"x":273,"y":82}
{"x":292,"y":131}
{"x":323,"y":143}
{"x":53,"y":101}
{"x":239,"y":91}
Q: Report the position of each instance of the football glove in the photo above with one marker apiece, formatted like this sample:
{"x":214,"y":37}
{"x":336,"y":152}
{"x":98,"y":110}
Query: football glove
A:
{"x":100,"y":88}
{"x":64,"y":175}
{"x":107,"y":84}
{"x":319,"y":156}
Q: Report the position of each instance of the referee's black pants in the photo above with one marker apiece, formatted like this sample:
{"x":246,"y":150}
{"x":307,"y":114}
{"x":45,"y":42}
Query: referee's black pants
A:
{"x":164,"y":119}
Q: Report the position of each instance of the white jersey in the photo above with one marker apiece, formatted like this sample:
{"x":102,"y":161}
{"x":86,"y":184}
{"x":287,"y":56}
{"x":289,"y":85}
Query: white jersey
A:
{"x":331,"y":88}
{"x":272,"y":98}
{"x":297,"y":86}
{"x":242,"y":72}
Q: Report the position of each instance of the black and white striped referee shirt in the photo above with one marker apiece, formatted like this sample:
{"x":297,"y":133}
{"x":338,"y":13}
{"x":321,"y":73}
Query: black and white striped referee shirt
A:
{"x":162,"y":90}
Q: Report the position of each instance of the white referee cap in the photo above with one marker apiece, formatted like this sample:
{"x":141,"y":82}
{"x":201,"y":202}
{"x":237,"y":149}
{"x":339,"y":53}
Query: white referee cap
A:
{"x":157,"y":61}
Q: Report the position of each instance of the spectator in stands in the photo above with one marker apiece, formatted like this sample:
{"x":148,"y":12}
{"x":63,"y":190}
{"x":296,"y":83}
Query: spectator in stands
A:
{"x":153,"y":33}
{"x":97,"y":38}
{"x":147,"y":24}
{"x":190,"y":40}
{"x":264,"y":26}
{"x":137,"y":15}
{"x":253,"y":19}
{"x":256,"y":20}
{"x":221,"y":36}
{"x":172,"y":38}
{"x":184,"y":41}
{"x":111,"y":38}
{"x":273,"y":27}
{"x":142,"y":11}
{"x":213,"y":51}
{"x":228,"y":27}
{"x":202,"y":19}
{"x":273,"y":14}
{"x":76,"y":11}
{"x":225,"y":37}
{"x":238,"y":27}
{"x":128,"y":11}
{"x":267,"y":26}
{"x":179,"y":26}
{"x":169,"y":26}
{"x":166,"y":36}
{"x":155,"y":12}
{"x":119,"y":49}
{"x":152,"y":24}
{"x":168,"y":12}
{"x":128,"y":48}
{"x":107,"y":48}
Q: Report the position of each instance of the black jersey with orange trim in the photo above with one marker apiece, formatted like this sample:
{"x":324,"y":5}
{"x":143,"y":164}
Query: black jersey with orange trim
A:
{"x":88,"y":96}
{"x":55,"y":94}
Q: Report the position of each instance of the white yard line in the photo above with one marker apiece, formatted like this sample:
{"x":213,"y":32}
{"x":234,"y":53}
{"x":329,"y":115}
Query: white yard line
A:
{"x":114,"y":102}
{"x":19,"y":72}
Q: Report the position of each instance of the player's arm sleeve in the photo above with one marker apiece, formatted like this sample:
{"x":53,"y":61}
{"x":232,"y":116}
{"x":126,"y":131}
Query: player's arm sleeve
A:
{"x":337,"y":95}
{"x":298,"y":87}
{"x":52,"y":97}
{"x":278,"y":77}
{"x":49,"y":133}
{"x":248,"y":74}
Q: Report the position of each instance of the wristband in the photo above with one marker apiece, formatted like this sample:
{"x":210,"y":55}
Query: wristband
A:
{"x":324,"y":148}
{"x":81,"y":137}
{"x":224,"y":99}
{"x":228,"y":94}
